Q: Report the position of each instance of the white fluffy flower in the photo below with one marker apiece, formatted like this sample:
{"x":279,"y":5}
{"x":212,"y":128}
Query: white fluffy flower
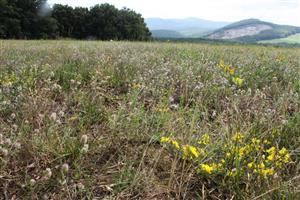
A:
{"x":53,"y":116}
{"x":65,"y":168}
{"x":84,"y":139}
{"x":85,"y":148}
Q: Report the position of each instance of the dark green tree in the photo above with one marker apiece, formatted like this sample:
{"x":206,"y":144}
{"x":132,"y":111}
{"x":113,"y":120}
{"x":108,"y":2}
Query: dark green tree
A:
{"x":103,"y":22}
{"x":80,"y":21}
{"x":23,"y":19}
{"x":34,"y":19}
{"x":10,"y":23}
{"x":65,"y":17}
{"x":132,"y":26}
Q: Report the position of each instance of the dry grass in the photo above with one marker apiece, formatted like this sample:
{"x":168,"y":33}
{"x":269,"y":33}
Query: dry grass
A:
{"x":83,"y":120}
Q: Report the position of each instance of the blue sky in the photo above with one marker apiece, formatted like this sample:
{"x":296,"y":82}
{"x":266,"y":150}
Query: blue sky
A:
{"x":277,"y":11}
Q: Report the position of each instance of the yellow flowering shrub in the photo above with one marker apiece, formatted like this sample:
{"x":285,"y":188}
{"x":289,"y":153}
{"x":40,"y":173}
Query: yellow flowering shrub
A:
{"x":189,"y":152}
{"x":239,"y":157}
{"x":173,"y":143}
{"x":206,"y":168}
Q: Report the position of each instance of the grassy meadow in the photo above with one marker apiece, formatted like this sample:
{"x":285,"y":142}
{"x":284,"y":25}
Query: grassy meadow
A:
{"x":133,"y":120}
{"x":292,"y":39}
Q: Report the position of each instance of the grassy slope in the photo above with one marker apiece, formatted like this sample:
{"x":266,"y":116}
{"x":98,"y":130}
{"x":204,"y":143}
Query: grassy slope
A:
{"x":101,"y":108}
{"x":292,"y":39}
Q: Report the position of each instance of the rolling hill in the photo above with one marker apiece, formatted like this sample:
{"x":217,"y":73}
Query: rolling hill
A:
{"x":253,"y":30}
{"x":161,"y":33}
{"x":189,"y":27}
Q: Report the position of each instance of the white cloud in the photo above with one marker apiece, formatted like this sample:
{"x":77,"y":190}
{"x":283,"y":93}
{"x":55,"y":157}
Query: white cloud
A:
{"x":278,"y":11}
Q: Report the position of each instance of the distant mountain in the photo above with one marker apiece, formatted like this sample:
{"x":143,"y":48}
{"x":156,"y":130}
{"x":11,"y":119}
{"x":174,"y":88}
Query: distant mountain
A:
{"x":253,"y":30}
{"x":166,"y":34}
{"x":189,"y":27}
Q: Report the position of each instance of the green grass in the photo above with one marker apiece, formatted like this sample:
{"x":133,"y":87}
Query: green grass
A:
{"x":101,"y":109}
{"x":292,"y":39}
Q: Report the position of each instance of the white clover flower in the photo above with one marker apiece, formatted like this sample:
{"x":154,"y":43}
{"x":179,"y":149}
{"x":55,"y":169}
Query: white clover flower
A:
{"x":36,"y":130}
{"x":56,"y":86}
{"x":52,"y":74}
{"x":53,"y":116}
{"x":48,"y":173}
{"x":171,"y":99}
{"x":63,"y":181}
{"x":61,"y":113}
{"x":85,"y":148}
{"x":65,"y":168}
{"x":7,"y":141}
{"x":17,"y":145}
{"x":13,"y":115}
{"x":3,"y":152}
{"x":84,"y":139}
{"x":174,"y":106}
{"x":80,"y":186}
{"x":32,"y":182}
{"x":15,"y":127}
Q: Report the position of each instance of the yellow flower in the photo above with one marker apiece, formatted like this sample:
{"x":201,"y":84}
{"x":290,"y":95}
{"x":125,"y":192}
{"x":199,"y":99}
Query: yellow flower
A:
{"x":221,"y":64}
{"x":206,"y":168}
{"x":193,"y":151}
{"x":190,"y":152}
{"x":271,"y":150}
{"x":283,"y":151}
{"x":205,"y":139}
{"x":162,"y":110}
{"x":286,"y":158}
{"x":237,"y":137}
{"x":267,"y":142}
{"x":232,"y":173}
{"x":237,"y":81}
{"x":231,"y":71}
{"x":220,"y":165}
{"x":228,"y":69}
{"x":242,"y":151}
{"x":136,"y":86}
{"x":271,"y":157}
{"x":175,"y":144}
{"x":255,"y":141}
{"x":170,"y":141}
{"x":261,"y":165}
{"x":267,"y":172}
{"x":278,"y":164}
{"x":8,"y":80}
{"x":250,"y":165}
{"x":164,"y":139}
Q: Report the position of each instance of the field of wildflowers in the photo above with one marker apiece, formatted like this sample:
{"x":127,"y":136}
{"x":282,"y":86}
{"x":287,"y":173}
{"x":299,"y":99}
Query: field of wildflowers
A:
{"x":124,"y":120}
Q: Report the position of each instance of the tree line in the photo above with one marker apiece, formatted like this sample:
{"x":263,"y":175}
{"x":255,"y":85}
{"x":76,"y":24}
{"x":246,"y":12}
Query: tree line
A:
{"x":35,"y":19}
